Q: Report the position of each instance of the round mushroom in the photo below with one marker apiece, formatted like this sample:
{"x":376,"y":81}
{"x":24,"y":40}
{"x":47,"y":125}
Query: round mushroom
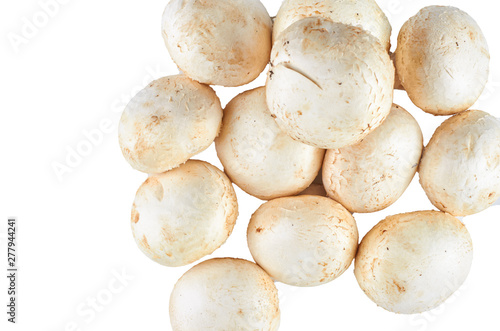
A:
{"x":168,"y":122}
{"x":410,"y":263}
{"x":365,"y":14}
{"x":260,"y":158}
{"x":460,"y":167}
{"x":225,"y":294}
{"x":372,"y":174}
{"x":184,"y":214}
{"x":330,"y":84}
{"x":442,"y":60}
{"x":220,"y":42}
{"x":303,"y":241}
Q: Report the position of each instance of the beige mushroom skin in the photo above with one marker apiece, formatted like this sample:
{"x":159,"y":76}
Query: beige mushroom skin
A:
{"x":219,"y":42}
{"x":442,"y":60}
{"x":372,"y":174}
{"x":411,"y":263}
{"x":304,"y":240}
{"x":365,"y":14}
{"x":225,"y":294}
{"x":168,"y":122}
{"x":260,"y":158}
{"x":184,"y":214}
{"x":330,"y":84}
{"x":460,"y":167}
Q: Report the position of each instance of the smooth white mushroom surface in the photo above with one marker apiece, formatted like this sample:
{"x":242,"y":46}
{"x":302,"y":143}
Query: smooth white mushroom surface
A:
{"x":372,"y":174}
{"x":225,"y":294}
{"x":442,"y":60}
{"x":168,"y":122}
{"x":219,"y":42}
{"x":365,"y":14}
{"x":260,"y":158}
{"x":411,"y":263}
{"x":460,"y":167}
{"x":184,"y":214}
{"x":330,"y":84}
{"x":304,"y":240}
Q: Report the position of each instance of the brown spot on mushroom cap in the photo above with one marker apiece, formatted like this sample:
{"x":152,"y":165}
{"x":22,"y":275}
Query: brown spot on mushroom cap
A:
{"x":155,"y":186}
{"x":398,"y":286}
{"x":135,"y":214}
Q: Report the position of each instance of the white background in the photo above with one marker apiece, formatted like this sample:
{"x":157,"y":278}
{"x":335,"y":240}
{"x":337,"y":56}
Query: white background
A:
{"x":75,"y":73}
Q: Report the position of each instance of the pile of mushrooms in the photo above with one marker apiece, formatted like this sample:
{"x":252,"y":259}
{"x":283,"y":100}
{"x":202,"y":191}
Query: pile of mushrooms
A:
{"x":320,"y":141}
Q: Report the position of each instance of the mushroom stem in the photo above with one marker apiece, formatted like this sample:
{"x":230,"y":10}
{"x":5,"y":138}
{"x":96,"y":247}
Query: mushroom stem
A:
{"x":397,"y":82}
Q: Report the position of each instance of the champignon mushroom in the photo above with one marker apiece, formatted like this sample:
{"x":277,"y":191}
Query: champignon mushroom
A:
{"x":303,"y":241}
{"x":410,"y":263}
{"x":169,"y":121}
{"x":460,"y":167}
{"x":225,"y":294}
{"x":442,"y":60}
{"x":372,"y":174}
{"x":330,"y":84}
{"x":260,"y":158}
{"x":184,"y":214}
{"x":365,"y":14}
{"x":221,"y":42}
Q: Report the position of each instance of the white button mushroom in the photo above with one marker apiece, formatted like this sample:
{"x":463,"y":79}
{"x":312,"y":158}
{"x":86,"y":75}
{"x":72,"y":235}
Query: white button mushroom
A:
{"x":260,"y":158}
{"x":365,"y":14}
{"x":221,"y":42}
{"x":411,"y":263}
{"x":304,"y":240}
{"x":330,"y":84}
{"x":169,"y":121}
{"x":460,"y":167}
{"x":184,"y":214}
{"x":372,"y":174}
{"x":442,"y":60}
{"x":225,"y":294}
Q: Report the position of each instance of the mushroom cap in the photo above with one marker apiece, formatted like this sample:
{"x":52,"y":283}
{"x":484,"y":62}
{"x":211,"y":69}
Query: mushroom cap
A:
{"x":184,"y":214}
{"x":221,"y":42}
{"x":372,"y":174}
{"x":460,"y":167}
{"x":303,"y":241}
{"x":410,"y":263}
{"x":442,"y":60}
{"x":225,"y":294}
{"x":260,"y":158}
{"x":168,"y":122}
{"x":365,"y":14}
{"x":330,"y":84}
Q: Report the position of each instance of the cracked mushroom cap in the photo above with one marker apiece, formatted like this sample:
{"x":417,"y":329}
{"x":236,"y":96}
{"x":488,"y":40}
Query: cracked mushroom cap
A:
{"x":260,"y":158}
{"x":365,"y":14}
{"x":442,"y":60}
{"x":460,"y":167}
{"x":372,"y":174}
{"x":303,"y":241}
{"x":184,"y":214}
{"x":225,"y":294}
{"x":168,"y":122}
{"x":330,"y":84}
{"x":411,"y":263}
{"x":218,"y":42}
